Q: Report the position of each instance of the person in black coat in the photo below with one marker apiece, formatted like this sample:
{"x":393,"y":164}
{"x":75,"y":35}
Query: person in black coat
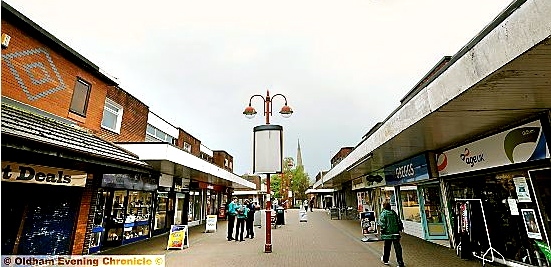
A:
{"x":250,"y":219}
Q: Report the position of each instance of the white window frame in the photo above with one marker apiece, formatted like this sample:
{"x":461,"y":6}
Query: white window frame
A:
{"x":118,"y":113}
{"x":187,"y":147}
{"x":158,"y":133}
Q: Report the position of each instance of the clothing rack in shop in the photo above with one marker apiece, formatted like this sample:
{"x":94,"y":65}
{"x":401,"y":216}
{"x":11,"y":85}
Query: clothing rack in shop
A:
{"x":490,"y":250}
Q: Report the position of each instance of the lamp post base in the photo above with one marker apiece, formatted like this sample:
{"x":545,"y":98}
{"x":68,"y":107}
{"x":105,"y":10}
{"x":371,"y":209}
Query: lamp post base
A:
{"x":267,"y":248}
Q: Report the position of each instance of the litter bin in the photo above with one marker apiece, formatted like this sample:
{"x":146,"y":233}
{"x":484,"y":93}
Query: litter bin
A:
{"x":280,"y":216}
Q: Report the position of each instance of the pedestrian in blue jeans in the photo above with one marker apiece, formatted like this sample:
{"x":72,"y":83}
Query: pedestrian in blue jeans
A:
{"x":391,"y":225}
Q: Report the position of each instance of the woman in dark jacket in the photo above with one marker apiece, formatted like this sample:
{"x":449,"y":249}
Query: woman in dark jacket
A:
{"x":250,"y":219}
{"x":391,"y":225}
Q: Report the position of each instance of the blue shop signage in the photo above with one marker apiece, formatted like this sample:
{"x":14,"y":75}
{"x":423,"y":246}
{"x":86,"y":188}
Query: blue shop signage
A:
{"x":411,"y":170}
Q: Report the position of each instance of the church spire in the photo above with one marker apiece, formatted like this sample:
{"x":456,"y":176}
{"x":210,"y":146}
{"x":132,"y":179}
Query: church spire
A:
{"x":299,"y":155}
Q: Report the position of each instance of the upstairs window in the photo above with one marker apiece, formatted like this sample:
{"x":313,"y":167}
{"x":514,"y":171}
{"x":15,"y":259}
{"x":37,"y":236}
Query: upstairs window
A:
{"x":112,"y":116}
{"x":187,"y":147}
{"x":79,"y":102}
{"x":154,"y":135}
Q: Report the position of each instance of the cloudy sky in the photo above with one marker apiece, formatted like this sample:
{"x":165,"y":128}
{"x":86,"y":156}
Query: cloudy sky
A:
{"x":343,"y":65}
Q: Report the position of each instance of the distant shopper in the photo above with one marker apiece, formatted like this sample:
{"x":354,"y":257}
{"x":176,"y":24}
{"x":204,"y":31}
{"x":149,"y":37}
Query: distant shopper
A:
{"x":312,"y":204}
{"x":232,"y":212}
{"x":305,"y":204}
{"x":391,"y":225}
{"x":250,"y":219}
{"x":242,"y":211}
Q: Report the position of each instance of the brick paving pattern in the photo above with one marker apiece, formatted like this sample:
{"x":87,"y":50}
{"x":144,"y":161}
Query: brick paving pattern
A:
{"x":318,"y":242}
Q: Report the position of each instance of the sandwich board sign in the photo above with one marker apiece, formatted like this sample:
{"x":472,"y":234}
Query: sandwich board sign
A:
{"x":178,"y":237}
{"x":210,"y":226}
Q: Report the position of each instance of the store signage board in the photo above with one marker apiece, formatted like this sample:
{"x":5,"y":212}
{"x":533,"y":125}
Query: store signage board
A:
{"x":178,"y":237}
{"x":210,"y":226}
{"x":414,"y":169}
{"x":28,"y":173}
{"x":129,"y":181}
{"x":521,"y":144}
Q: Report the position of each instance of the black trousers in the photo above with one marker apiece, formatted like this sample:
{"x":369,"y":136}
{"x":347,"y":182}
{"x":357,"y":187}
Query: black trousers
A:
{"x":397,"y":250}
{"x":231,"y":223}
{"x":240,"y":228}
{"x":249,"y":222}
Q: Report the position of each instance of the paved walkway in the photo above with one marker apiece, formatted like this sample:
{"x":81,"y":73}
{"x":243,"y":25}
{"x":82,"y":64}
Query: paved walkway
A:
{"x":318,"y":242}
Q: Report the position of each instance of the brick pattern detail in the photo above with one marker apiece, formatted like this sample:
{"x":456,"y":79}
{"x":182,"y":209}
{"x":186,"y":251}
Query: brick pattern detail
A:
{"x":134,"y":118}
{"x":39,"y":69}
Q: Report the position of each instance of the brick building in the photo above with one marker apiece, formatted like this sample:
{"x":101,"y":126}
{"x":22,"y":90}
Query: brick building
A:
{"x":67,"y":133}
{"x":52,"y":160}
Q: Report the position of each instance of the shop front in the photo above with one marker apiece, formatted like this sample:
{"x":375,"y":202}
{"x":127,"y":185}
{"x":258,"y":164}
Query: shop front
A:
{"x":369,"y":190}
{"x":418,"y":196}
{"x":183,"y":196}
{"x":496,"y":185}
{"x":123,"y":208}
{"x":205,"y":199}
{"x":40,"y":205}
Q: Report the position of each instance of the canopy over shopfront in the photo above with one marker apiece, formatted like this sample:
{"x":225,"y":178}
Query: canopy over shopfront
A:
{"x":173,"y":161}
{"x":440,"y":109}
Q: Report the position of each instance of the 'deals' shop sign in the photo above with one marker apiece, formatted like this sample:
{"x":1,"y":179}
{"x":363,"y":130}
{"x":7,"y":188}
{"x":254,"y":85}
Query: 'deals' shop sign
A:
{"x":27,"y":173}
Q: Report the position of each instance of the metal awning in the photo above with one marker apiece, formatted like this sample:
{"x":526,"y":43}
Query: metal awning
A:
{"x":171,"y":160}
{"x":319,"y":191}
{"x":502,"y":75}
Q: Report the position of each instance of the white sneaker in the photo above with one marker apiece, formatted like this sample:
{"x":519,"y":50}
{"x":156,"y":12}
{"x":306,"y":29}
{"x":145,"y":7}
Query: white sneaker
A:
{"x":385,"y":263}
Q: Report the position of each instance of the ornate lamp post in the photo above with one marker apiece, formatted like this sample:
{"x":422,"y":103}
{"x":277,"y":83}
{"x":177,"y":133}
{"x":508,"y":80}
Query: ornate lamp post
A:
{"x":268,"y":153}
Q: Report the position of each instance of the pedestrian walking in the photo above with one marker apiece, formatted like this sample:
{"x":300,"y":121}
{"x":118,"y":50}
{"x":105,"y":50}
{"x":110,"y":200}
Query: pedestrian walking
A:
{"x":312,"y":204}
{"x":391,"y":225}
{"x":250,"y":219}
{"x":305,"y":204}
{"x":242,"y":211}
{"x":232,"y":212}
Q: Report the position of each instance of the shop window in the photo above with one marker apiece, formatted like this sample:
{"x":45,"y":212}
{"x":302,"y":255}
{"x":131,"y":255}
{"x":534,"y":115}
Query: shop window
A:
{"x":195,"y":206}
{"x":154,"y":135}
{"x":81,"y":93}
{"x":116,"y":220}
{"x":136,"y":224}
{"x":98,"y":222}
{"x":410,"y":203}
{"x":160,"y":215}
{"x":179,"y":208}
{"x":112,"y":116}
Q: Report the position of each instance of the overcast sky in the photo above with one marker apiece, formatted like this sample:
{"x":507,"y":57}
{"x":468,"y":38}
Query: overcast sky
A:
{"x":343,"y":65}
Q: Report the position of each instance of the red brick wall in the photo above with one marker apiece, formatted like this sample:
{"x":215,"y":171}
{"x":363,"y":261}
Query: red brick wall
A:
{"x":195,"y":143}
{"x":219,"y":157}
{"x":25,"y":50}
{"x":134,"y":118}
{"x":343,"y":152}
{"x":80,"y":243}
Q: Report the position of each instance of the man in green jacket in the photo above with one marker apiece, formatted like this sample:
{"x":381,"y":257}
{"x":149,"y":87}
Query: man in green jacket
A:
{"x":391,"y":225}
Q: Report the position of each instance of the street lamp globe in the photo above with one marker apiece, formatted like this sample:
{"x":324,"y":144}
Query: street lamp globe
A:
{"x":249,"y":112}
{"x":286,"y":111}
